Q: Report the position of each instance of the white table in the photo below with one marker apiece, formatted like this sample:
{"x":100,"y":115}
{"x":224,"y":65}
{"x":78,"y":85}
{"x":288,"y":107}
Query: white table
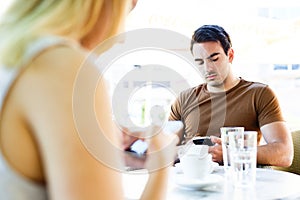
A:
{"x":270,"y":184}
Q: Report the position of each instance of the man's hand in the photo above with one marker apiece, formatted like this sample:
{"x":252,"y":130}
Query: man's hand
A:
{"x":216,"y":150}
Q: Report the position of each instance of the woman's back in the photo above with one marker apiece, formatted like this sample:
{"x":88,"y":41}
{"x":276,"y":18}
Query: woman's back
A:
{"x":20,"y":185}
{"x":38,"y":134}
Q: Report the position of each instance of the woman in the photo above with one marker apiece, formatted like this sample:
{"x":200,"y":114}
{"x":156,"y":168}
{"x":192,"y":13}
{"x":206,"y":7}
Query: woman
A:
{"x":43,"y":44}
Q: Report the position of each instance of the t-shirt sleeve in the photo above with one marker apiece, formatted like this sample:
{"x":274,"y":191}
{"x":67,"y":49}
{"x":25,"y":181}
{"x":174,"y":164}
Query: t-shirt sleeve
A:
{"x":175,"y":113}
{"x":268,"y":107}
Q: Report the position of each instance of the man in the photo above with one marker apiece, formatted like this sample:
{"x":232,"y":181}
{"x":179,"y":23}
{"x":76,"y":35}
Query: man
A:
{"x":227,"y":100}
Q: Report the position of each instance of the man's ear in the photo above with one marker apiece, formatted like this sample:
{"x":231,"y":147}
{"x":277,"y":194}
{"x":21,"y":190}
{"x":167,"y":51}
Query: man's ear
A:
{"x":230,"y":55}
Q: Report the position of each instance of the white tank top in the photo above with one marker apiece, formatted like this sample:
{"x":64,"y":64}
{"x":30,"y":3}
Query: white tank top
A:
{"x":12,"y":185}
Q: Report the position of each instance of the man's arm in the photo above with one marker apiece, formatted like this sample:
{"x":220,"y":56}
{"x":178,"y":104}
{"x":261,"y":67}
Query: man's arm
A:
{"x":279,"y":149}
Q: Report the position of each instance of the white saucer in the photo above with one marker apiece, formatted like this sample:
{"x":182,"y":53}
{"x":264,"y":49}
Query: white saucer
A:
{"x":178,"y":168}
{"x":188,"y":183}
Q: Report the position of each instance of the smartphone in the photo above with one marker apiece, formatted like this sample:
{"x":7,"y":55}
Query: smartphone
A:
{"x":203,"y":141}
{"x":140,"y":147}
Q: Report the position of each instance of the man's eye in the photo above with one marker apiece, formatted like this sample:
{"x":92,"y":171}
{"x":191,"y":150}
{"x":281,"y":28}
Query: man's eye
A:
{"x":200,"y":62}
{"x":214,"y":60}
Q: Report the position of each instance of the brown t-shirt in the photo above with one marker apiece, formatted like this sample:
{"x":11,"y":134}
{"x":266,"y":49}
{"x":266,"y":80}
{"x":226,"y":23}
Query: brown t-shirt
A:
{"x":248,"y":104}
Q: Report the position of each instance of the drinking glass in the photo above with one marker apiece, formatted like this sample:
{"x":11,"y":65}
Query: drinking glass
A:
{"x":225,"y":144}
{"x":243,"y":153}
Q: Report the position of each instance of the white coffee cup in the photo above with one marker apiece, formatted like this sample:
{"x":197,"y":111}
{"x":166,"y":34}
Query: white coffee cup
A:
{"x":197,"y":163}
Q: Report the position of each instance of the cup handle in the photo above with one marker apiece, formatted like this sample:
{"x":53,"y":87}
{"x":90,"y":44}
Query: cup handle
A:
{"x":211,"y":167}
{"x":211,"y":164}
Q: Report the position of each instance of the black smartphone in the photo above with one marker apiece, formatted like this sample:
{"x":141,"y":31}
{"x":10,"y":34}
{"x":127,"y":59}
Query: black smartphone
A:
{"x":203,"y":141}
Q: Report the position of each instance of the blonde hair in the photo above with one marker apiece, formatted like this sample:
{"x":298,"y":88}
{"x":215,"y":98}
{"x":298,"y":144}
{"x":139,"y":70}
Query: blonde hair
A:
{"x":24,"y":22}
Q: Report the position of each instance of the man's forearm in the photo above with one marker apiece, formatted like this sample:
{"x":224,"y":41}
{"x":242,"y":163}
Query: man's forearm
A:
{"x":275,"y":154}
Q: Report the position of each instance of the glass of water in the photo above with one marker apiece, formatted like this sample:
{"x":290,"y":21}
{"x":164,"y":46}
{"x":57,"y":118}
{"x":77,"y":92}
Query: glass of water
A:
{"x":225,"y":143}
{"x":243,"y":153}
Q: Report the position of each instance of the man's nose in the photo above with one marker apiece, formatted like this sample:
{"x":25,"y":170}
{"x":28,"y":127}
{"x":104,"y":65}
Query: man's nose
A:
{"x":208,"y":66}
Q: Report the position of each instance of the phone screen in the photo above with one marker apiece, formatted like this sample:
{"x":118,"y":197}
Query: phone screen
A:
{"x":140,"y":147}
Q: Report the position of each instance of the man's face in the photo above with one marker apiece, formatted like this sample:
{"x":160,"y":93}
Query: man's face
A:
{"x":212,"y":62}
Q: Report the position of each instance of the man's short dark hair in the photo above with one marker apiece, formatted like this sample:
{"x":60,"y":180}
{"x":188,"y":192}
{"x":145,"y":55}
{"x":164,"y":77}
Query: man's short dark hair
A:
{"x":208,"y":33}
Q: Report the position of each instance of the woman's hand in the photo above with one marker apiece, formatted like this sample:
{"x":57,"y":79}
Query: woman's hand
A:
{"x":161,"y":151}
{"x":128,"y":138}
